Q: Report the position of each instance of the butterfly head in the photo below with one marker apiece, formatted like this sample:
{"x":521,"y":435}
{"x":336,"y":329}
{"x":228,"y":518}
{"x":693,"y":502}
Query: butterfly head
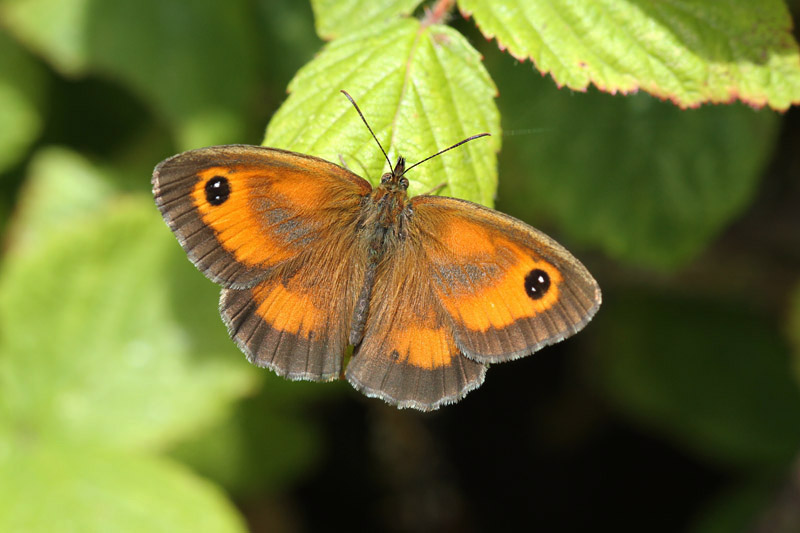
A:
{"x":394,"y":180}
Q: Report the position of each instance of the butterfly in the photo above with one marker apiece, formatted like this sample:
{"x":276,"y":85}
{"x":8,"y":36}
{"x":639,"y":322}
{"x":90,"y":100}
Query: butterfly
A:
{"x":428,"y":291}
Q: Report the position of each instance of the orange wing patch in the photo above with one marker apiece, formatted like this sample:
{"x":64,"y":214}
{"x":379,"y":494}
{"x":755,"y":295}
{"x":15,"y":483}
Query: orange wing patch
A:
{"x":467,"y":240}
{"x":422,"y":347}
{"x":502,"y":299}
{"x":288,"y":309}
{"x":313,"y":192}
{"x":485,"y":287}
{"x":241,"y":228}
{"x":235,"y":223}
{"x":281,"y":327}
{"x":266,"y":221}
{"x":413,"y":366}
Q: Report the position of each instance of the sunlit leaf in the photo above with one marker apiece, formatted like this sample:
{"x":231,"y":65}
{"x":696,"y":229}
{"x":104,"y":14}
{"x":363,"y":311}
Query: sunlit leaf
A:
{"x":421,"y":89}
{"x":335,"y":18}
{"x":687,"y":51}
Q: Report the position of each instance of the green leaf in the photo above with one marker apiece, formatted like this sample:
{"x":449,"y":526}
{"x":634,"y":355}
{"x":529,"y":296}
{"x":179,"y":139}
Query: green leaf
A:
{"x":687,"y":51}
{"x":193,"y":62}
{"x":421,"y":89}
{"x":48,"y":488}
{"x":644,"y":181}
{"x":53,"y":29}
{"x":715,"y":377}
{"x":91,"y":350}
{"x":335,"y":18}
{"x":21,"y":92}
{"x":61,"y":187}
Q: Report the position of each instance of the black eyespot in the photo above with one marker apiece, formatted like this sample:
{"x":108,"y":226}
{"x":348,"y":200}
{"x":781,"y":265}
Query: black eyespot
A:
{"x":404,"y":183}
{"x":217,"y":190}
{"x":537,"y":283}
{"x":395,"y":355}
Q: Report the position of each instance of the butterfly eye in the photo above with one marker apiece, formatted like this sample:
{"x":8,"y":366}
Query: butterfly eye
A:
{"x":217,"y":190}
{"x":386,"y":178}
{"x":537,"y":282}
{"x":404,"y":183}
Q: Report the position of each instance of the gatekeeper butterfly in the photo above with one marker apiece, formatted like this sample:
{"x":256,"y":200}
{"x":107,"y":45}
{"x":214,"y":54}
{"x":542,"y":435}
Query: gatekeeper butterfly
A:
{"x":312,"y":259}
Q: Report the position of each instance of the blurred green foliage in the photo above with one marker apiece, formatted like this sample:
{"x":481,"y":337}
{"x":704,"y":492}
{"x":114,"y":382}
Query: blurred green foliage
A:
{"x":654,"y":347}
{"x":657,"y":209}
{"x":123,"y":404}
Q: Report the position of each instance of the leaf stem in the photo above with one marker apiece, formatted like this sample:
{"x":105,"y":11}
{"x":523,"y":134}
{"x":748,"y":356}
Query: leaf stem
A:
{"x":438,"y":13}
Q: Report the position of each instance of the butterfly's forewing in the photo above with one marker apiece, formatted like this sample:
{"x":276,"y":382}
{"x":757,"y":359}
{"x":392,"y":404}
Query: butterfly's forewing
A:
{"x":507,"y":288}
{"x":278,"y":230}
{"x":240,"y":210}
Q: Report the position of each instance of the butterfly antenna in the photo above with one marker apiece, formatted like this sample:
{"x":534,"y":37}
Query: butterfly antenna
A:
{"x":367,"y":125}
{"x":468,"y":139}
